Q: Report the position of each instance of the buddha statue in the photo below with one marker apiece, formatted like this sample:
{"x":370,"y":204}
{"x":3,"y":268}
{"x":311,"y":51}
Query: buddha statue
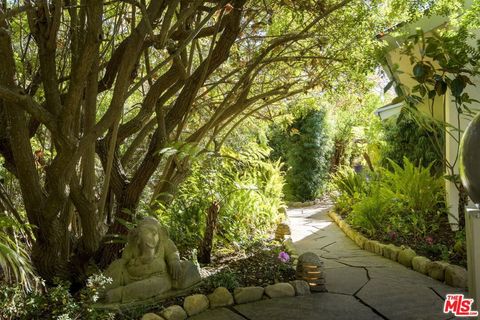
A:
{"x":150,"y":266}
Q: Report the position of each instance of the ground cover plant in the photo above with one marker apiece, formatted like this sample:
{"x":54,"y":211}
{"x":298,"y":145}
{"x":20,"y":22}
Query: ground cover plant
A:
{"x":403,"y":205}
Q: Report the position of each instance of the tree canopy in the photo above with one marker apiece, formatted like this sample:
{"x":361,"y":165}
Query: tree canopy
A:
{"x":103,"y":104}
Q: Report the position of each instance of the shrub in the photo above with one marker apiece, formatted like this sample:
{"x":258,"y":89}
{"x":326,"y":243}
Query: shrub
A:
{"x":351,"y":187}
{"x":347,"y":181}
{"x":406,"y":200}
{"x":225,"y":278}
{"x":15,"y":261}
{"x":420,"y":195}
{"x":54,"y":302}
{"x":421,"y":140}
{"x":370,"y":213}
{"x":248,"y":188}
{"x":306,"y":149}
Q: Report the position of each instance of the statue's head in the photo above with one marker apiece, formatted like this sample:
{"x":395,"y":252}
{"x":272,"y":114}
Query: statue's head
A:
{"x":149,"y":233}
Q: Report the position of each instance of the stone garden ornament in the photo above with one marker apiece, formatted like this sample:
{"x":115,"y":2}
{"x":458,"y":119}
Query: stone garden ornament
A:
{"x":150,"y":267}
{"x":311,"y":269}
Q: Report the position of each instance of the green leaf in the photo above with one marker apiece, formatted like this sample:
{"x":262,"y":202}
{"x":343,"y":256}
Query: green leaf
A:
{"x":457,"y":86}
{"x":388,"y":86}
{"x":431,"y":50}
{"x":422,"y":90}
{"x":440,"y":87}
{"x":398,"y":90}
{"x":421,"y":72}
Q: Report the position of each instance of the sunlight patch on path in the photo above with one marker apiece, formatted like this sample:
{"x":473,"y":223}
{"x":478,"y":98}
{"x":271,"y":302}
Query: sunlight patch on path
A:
{"x":303,"y":222}
{"x":389,"y":289}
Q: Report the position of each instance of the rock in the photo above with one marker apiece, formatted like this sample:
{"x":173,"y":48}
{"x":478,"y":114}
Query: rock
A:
{"x":420,"y":264}
{"x":334,"y":216}
{"x":220,"y":297}
{"x":456,"y":276}
{"x":378,"y":248}
{"x":391,"y":252}
{"x":405,"y":257}
{"x":301,"y":287}
{"x":174,"y":312}
{"x":348,"y":230}
{"x":151,"y":316}
{"x":360,"y":240}
{"x":370,"y":245}
{"x":248,"y":294}
{"x":436,"y":270}
{"x":195,"y":304}
{"x":279,"y":290}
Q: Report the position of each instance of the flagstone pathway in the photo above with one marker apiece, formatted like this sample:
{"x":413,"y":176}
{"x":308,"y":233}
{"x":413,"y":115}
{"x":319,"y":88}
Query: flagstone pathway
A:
{"x":361,"y":285}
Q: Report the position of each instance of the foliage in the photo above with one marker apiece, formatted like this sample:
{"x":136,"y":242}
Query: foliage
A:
{"x":356,"y":129}
{"x":351,"y":186}
{"x":54,"y":303}
{"x":371,"y":212}
{"x":416,"y":187}
{"x":225,"y":278}
{"x":14,"y":256}
{"x":248,"y":188}
{"x":407,"y":200}
{"x":348,"y":182}
{"x":92,"y":92}
{"x":305,"y":148}
{"x":444,"y":64}
{"x":405,"y":137}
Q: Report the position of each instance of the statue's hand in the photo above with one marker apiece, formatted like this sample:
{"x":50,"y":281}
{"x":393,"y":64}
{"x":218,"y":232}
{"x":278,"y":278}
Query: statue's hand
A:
{"x":175,"y":270}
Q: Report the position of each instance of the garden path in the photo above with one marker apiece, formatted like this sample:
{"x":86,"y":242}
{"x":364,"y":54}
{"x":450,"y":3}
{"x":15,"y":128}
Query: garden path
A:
{"x":361,"y":285}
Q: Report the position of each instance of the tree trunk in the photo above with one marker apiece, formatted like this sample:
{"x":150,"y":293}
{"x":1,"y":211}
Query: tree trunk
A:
{"x":205,"y":251}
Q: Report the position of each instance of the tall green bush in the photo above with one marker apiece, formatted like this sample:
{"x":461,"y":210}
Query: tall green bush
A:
{"x":248,"y":188}
{"x":306,"y":149}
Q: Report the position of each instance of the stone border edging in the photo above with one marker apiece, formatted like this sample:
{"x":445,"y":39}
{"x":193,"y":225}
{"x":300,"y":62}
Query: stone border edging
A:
{"x":221,"y":297}
{"x":452,"y":275}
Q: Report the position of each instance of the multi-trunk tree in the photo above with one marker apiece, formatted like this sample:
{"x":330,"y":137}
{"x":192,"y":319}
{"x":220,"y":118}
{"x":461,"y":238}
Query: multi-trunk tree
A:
{"x":95,"y":95}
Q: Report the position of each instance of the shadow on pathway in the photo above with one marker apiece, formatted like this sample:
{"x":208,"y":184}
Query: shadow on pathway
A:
{"x":361,"y":285}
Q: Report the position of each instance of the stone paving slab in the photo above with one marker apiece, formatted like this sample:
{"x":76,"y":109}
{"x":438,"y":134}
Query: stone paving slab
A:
{"x":361,"y":284}
{"x":396,"y":301}
{"x":346,"y":280}
{"x":390,"y":289}
{"x":315,"y":306}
